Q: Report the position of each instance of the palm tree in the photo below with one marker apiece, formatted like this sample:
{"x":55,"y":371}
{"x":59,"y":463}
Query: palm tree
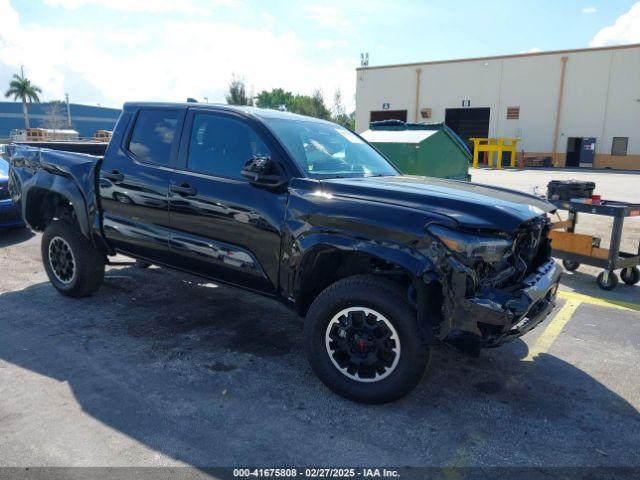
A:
{"x":22,"y":88}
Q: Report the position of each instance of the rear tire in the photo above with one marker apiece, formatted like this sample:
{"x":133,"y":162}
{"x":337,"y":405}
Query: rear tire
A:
{"x":75,"y":267}
{"x":362,"y":340}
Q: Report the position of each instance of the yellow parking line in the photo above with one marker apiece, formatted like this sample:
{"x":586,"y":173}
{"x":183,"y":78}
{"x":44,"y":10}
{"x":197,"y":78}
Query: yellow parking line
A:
{"x":602,"y":302}
{"x":544,"y":342}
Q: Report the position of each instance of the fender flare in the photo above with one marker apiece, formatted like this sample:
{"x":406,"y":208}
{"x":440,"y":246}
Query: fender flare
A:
{"x":308,"y":246}
{"x":58,"y":184}
{"x":412,"y":261}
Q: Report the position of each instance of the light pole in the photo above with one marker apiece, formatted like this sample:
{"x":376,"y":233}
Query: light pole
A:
{"x":66,"y":95}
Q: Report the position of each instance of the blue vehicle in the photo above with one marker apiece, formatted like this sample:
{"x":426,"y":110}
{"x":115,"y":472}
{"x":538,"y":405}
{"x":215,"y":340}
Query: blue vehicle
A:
{"x":9,"y":213}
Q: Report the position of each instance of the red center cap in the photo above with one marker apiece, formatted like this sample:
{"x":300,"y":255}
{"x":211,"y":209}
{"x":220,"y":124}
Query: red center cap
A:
{"x":361,"y":344}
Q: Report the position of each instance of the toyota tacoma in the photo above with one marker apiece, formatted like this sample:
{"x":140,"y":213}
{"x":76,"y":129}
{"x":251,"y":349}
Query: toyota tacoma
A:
{"x":382,"y":265}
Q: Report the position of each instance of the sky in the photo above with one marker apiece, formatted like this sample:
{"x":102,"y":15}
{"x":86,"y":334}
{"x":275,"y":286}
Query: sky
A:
{"x":110,"y":51}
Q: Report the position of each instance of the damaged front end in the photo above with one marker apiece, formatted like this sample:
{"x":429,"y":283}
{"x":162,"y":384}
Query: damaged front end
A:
{"x":495,"y":286}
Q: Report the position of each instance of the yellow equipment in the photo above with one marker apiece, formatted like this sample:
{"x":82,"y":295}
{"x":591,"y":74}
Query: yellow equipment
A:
{"x":497,"y":145}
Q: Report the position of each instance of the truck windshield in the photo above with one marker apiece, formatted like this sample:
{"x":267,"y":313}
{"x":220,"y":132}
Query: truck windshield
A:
{"x":325,"y":150}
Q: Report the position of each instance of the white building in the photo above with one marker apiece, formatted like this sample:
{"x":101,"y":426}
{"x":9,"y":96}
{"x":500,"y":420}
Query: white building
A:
{"x":576,"y":106}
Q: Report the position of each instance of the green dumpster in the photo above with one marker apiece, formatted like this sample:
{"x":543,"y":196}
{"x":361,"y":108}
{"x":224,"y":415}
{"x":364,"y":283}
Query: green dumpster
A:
{"x":432,"y":150}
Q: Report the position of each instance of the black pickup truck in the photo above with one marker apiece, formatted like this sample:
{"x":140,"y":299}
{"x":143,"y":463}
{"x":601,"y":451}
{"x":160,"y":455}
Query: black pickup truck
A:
{"x":381,"y":264}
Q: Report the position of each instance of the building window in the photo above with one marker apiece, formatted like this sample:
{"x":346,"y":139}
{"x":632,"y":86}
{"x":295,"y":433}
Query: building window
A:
{"x":619,"y":146}
{"x":513,"y":113}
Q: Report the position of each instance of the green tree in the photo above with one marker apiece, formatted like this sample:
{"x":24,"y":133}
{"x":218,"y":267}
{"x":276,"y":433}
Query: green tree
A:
{"x":338,"y":114}
{"x":22,"y":88}
{"x":347,"y":120}
{"x":277,"y":99}
{"x":338,"y":109}
{"x":312,"y":106}
{"x":237,"y":92}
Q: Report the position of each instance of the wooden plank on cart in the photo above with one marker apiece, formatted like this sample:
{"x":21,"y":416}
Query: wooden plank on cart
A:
{"x":601,"y":253}
{"x":561,"y":224}
{"x":571,"y":242}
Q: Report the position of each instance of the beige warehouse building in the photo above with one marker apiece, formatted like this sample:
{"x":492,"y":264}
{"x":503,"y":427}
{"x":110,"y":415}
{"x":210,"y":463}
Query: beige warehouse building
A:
{"x":579,"y":107}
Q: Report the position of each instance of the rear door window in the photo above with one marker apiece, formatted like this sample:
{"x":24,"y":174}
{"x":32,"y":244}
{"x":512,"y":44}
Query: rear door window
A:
{"x":153,"y":136}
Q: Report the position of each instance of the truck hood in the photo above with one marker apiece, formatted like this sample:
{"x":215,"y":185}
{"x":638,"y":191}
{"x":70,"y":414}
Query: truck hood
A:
{"x":469,"y":204}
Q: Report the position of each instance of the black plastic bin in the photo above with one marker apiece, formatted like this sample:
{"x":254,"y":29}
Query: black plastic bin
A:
{"x":568,"y":189}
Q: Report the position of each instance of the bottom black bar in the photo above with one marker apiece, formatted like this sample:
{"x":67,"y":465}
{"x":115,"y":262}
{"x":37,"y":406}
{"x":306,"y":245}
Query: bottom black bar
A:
{"x":422,"y":473}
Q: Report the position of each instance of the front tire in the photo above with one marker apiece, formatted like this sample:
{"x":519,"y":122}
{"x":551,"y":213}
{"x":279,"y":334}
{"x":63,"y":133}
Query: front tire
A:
{"x":73,"y":264}
{"x":362,"y":340}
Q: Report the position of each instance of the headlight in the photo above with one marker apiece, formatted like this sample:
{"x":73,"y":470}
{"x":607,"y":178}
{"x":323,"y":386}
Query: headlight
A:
{"x":470,"y":246}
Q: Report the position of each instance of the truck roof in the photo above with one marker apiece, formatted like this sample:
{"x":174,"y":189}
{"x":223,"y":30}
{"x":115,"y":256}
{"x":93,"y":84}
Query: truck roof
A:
{"x":247,"y":110}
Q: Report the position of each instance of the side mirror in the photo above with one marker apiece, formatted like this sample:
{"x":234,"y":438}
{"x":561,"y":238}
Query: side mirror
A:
{"x":262,"y":172}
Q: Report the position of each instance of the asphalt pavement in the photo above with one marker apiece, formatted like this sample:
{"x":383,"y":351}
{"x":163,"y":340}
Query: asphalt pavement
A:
{"x":164,"y":369}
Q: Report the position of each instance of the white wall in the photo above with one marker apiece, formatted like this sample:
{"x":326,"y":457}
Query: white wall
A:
{"x":446,"y":85}
{"x":601,"y":93}
{"x":373,"y":87}
{"x":585,"y":97}
{"x":623,"y":108}
{"x":530,"y":83}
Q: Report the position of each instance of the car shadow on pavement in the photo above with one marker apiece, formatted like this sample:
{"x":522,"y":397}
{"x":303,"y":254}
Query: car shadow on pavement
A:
{"x":212,"y":376}
{"x":13,"y":236}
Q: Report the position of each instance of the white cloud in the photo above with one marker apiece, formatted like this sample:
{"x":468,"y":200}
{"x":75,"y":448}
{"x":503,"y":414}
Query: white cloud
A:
{"x":267,"y":18}
{"x":534,"y":50}
{"x":170,"y":62}
{"x":626,"y":29}
{"x":147,"y":6}
{"x":328,"y":44}
{"x":589,"y":10}
{"x":10,"y":21}
{"x":327,"y":16}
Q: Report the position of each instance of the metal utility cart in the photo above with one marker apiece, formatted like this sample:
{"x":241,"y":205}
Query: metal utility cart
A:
{"x":574,"y":248}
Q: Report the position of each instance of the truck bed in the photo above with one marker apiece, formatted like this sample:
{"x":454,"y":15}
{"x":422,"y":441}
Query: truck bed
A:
{"x":73,"y":175}
{"x":92,"y":148}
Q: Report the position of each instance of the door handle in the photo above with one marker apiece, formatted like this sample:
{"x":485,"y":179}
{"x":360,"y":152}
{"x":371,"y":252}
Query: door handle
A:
{"x":114,"y":176}
{"x":185,"y":190}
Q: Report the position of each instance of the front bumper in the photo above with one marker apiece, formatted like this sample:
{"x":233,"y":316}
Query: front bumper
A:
{"x":496,"y":316}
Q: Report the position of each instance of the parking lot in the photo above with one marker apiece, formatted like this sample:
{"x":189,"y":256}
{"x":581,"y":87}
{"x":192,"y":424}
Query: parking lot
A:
{"x":161,"y":368}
